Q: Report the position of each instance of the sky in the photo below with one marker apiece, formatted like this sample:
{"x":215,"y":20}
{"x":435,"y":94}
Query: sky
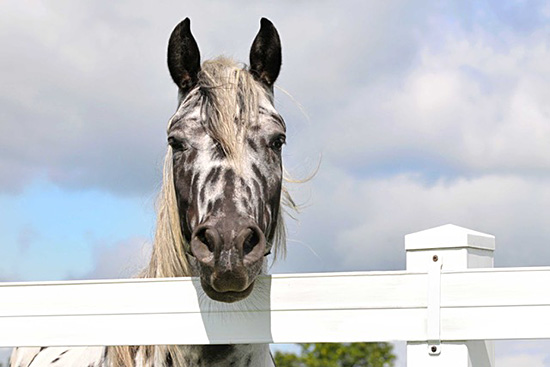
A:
{"x":417,"y":114}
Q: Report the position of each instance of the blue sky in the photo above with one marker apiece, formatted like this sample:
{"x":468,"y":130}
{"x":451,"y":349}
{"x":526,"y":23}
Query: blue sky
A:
{"x":54,"y":232}
{"x":423,"y":113}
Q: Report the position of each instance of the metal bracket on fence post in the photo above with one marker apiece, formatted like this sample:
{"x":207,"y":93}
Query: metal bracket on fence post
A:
{"x":434,"y":306}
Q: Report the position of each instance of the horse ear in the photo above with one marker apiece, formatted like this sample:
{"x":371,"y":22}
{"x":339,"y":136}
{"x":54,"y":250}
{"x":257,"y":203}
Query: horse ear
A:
{"x":265,"y":54}
{"x":183,"y":56}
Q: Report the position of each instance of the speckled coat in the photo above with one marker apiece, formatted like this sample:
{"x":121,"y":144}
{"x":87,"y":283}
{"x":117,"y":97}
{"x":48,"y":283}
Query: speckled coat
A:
{"x":196,"y":356}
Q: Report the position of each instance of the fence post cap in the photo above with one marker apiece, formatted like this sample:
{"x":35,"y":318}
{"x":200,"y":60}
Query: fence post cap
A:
{"x":449,"y":236}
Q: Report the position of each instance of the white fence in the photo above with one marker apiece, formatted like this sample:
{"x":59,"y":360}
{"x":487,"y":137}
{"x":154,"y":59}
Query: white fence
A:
{"x":446,"y":305}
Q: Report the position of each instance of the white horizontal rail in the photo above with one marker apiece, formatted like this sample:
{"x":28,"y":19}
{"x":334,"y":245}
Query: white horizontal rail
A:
{"x":476,"y":304}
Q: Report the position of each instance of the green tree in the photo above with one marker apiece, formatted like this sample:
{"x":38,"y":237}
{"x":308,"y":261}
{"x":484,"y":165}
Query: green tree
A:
{"x":338,"y":355}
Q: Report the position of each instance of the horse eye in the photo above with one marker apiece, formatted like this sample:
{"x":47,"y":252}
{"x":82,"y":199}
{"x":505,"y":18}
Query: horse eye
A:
{"x":176,"y":144}
{"x":278,"y":142}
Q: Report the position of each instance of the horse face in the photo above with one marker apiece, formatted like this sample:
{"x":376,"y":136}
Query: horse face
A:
{"x":226,"y":143}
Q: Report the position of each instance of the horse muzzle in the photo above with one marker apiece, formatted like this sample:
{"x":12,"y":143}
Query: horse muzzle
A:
{"x":230,"y":255}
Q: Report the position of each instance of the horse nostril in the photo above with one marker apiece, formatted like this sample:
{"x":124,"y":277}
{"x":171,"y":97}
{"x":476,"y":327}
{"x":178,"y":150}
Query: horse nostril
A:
{"x":206,"y":236}
{"x":204,"y":242}
{"x":250,"y":241}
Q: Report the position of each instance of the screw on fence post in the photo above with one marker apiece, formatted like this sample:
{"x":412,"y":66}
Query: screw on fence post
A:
{"x":435,"y":350}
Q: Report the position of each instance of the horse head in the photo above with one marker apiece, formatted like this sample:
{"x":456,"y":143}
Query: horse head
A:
{"x":226,"y":139}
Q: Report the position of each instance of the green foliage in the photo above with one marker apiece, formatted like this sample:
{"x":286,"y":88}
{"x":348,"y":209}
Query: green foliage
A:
{"x":338,"y":355}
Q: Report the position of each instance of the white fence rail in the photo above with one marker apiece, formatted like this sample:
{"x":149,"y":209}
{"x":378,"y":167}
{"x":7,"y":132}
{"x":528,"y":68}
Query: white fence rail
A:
{"x":444,"y":305}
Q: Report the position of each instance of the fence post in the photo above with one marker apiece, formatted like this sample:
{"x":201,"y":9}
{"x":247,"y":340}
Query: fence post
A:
{"x":447,"y":247}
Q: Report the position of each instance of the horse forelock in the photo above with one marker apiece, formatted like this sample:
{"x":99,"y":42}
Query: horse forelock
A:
{"x":228,"y":99}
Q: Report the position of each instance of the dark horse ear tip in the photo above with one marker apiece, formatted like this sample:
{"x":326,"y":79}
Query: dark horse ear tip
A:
{"x":183,"y":27}
{"x":264,"y":22}
{"x":185,"y":24}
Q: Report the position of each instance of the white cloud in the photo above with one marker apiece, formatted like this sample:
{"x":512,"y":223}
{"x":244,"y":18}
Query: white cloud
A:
{"x":468,"y":105}
{"x":76,"y":105}
{"x":359,"y":224}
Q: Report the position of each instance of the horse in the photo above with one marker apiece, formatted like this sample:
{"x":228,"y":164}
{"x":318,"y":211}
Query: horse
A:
{"x":220,"y":207}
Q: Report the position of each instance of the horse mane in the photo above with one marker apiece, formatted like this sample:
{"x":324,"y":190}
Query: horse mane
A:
{"x":230,"y":98}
